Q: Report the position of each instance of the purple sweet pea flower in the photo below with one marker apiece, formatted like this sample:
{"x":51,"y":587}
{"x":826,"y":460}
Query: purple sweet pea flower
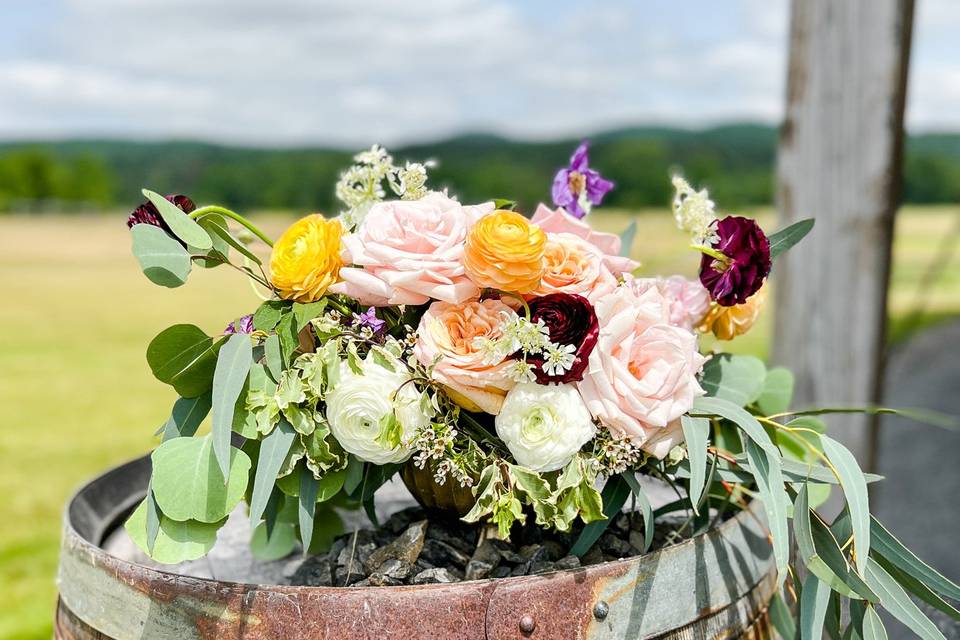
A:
{"x":242,"y":325}
{"x":369,"y":319}
{"x":578,"y":187}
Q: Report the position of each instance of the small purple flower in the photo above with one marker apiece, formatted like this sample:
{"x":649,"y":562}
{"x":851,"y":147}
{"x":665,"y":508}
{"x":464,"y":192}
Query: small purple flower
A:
{"x":369,"y":319}
{"x":242,"y":325}
{"x":746,"y":261}
{"x":578,"y":187}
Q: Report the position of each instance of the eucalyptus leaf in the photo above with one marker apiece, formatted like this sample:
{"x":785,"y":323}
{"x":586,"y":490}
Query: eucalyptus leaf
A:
{"x":187,"y":482}
{"x":175,"y":541}
{"x":219,"y":253}
{"x":646,"y":508}
{"x":186,"y":417}
{"x":917,"y":588}
{"x":776,"y":392}
{"x":182,"y":225}
{"x":814,"y":598}
{"x":786,"y":238}
{"x":894,"y":551}
{"x":273,"y":451}
{"x":738,"y":379}
{"x":233,"y":365}
{"x":152,"y":518}
{"x":740,"y":417}
{"x":216,"y":225}
{"x":162,"y":259}
{"x":276,"y":544}
{"x":626,"y":238}
{"x":185,"y":357}
{"x":769,"y":478}
{"x":695,"y":433}
{"x":614,"y":495}
{"x":855,"y":489}
{"x":872,"y":625}
{"x":782,"y":618}
{"x":309,"y":488}
{"x":895,"y":600}
{"x":271,"y":347}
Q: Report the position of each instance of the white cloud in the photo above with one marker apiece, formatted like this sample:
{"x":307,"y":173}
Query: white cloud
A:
{"x":343,"y":72}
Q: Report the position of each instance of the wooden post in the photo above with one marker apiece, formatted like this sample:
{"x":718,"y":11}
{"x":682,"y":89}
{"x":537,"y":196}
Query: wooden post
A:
{"x":841,"y":146}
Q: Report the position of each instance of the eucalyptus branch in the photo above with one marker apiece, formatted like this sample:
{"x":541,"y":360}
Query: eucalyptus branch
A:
{"x":236,"y":217}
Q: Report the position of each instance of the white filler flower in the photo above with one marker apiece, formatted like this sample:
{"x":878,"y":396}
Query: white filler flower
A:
{"x":543,"y":426}
{"x":359,"y":405}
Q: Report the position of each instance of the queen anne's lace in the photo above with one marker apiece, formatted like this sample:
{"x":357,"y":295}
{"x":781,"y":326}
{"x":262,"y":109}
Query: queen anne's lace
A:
{"x":361,"y":185}
{"x":694,"y":211}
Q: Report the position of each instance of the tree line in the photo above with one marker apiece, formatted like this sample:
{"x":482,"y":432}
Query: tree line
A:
{"x":737,"y":163}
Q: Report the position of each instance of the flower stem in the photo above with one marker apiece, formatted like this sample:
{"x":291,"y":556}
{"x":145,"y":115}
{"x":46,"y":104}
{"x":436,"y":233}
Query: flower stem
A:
{"x":713,"y":253}
{"x":202,"y":211}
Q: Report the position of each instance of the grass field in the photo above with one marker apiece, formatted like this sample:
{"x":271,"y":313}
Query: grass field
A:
{"x":76,"y":395}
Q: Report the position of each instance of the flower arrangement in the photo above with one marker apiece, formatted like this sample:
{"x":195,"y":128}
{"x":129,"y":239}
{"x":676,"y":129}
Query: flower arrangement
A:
{"x":526,"y":360}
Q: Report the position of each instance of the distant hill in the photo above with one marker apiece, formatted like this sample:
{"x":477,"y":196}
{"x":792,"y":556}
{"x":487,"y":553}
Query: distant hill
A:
{"x":736,"y":161}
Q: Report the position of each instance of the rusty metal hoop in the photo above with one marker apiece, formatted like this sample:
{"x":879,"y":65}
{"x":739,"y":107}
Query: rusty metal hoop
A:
{"x":715,"y":585}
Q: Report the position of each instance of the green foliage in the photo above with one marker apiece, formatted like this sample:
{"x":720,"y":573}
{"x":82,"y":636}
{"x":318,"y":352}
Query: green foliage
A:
{"x":182,"y":225}
{"x":186,"y":416}
{"x":786,"y":238}
{"x":184,"y":357}
{"x":229,"y":376}
{"x":188,"y":484}
{"x":615,"y":493}
{"x":737,"y":379}
{"x":777,"y":391}
{"x":176,"y":541}
{"x":273,"y":452}
{"x":162,"y":259}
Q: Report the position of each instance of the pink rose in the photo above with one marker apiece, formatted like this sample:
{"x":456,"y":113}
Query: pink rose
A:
{"x":446,"y":340}
{"x":409,"y":252}
{"x":642,"y":375}
{"x":688,"y":299}
{"x":608,"y":244}
{"x":574,"y":266}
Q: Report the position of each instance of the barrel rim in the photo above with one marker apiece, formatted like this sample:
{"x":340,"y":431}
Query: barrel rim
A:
{"x":80,"y":554}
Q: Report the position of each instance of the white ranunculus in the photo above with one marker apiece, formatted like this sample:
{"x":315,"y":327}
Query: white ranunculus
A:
{"x":543,"y":426}
{"x":358,"y":403}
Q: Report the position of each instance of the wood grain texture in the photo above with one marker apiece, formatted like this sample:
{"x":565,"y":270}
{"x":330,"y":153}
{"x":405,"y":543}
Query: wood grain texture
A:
{"x":840,"y":161}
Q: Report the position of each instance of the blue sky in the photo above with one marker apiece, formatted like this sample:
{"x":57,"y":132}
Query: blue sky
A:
{"x":349,"y":73}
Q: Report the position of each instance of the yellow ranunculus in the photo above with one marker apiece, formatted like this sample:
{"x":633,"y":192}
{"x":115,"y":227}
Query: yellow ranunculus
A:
{"x":504,"y":251}
{"x":306,"y":258}
{"x":726,"y":323}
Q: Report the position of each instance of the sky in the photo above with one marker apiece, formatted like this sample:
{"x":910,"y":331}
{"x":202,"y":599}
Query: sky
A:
{"x":353,"y":72}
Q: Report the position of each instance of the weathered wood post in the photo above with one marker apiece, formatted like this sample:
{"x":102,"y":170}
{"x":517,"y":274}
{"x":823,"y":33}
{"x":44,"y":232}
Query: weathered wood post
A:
{"x":840,"y":157}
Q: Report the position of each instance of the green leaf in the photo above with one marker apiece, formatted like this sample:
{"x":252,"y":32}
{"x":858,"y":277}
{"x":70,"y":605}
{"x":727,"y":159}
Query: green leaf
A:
{"x":537,"y":492}
{"x":216,"y":226}
{"x":782,"y":618}
{"x":327,"y":525}
{"x":220,"y":252}
{"x":786,"y":238}
{"x":777,"y":391}
{"x":289,"y":342}
{"x":614,"y":494}
{"x":186,"y":417}
{"x":185,"y":357}
{"x":646,"y":508}
{"x":354,"y":475}
{"x":273,"y":451}
{"x":872,"y":625}
{"x":695,"y":433}
{"x":271,"y":348}
{"x":504,"y":203}
{"x":304,"y":313}
{"x":182,"y":225}
{"x":176,"y":542}
{"x":162,"y":259}
{"x":309,"y":487}
{"x":769,"y":478}
{"x":268,"y":314}
{"x":733,"y":413}
{"x":855,"y":489}
{"x":738,"y":379}
{"x":626,"y":238}
{"x":233,"y":365}
{"x":895,"y":600}
{"x":275,"y":546}
{"x":821,"y":554}
{"x":917,"y":588}
{"x":814,"y":598}
{"x":188,"y":484}
{"x":152,"y":518}
{"x":894,"y":551}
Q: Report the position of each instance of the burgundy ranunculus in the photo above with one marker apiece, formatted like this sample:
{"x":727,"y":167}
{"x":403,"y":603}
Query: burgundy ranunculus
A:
{"x":571,"y":320}
{"x":747,"y":263}
{"x":147,"y":213}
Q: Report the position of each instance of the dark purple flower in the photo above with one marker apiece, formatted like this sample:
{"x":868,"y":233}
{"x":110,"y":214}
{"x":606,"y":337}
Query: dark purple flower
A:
{"x":571,"y":320}
{"x":369,"y":319}
{"x":147,"y":213}
{"x":578,"y":185}
{"x":744,"y":265}
{"x":241,"y":325}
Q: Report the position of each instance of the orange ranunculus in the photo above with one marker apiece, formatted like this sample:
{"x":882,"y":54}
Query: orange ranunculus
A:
{"x":726,"y":323}
{"x":306,"y":259}
{"x":504,"y":251}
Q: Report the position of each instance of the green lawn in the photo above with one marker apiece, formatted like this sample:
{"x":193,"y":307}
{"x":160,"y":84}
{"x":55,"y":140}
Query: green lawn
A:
{"x":76,"y":395}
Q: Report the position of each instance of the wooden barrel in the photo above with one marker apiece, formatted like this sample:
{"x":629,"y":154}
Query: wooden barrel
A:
{"x":716,"y":585}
